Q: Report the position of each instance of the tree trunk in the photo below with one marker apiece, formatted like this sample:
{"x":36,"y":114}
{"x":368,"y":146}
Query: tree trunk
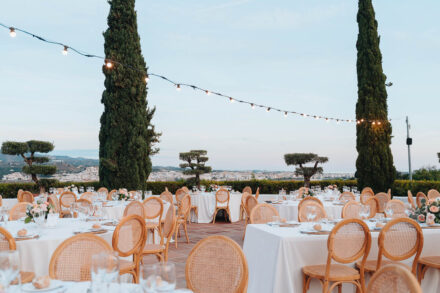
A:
{"x":307,"y":181}
{"x":198,"y":181}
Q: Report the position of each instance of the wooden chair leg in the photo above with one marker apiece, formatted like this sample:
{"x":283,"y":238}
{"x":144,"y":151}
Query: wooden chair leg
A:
{"x":215,"y":214}
{"x":186,"y":232}
{"x":175,"y":237}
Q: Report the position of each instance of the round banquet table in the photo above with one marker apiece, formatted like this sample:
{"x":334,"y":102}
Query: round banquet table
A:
{"x":205,"y":203}
{"x":289,"y":209}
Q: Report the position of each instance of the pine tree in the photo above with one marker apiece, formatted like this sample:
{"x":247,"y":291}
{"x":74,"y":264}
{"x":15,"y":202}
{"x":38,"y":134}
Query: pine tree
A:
{"x":126,"y":136}
{"x":195,"y":161}
{"x":375,"y":161}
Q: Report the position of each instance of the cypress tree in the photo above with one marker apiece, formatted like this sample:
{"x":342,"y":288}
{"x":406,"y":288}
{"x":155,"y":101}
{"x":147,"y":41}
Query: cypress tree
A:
{"x":375,"y":162}
{"x":126,"y":136}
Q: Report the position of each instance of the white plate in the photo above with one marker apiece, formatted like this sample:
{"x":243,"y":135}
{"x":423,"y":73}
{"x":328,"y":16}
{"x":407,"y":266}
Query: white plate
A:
{"x":54,"y":285}
{"x":28,"y":235}
{"x":292,"y":222}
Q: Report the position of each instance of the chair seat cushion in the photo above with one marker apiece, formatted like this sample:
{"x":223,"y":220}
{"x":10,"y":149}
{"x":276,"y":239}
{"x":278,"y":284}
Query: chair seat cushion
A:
{"x":151,"y":225}
{"x":338,"y":272}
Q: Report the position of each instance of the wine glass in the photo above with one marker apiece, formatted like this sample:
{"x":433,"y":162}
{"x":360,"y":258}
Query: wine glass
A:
{"x":105,"y":270}
{"x":364,"y":212}
{"x":310,"y":213}
{"x":158,"y":278}
{"x":9,"y":268}
{"x":389,"y":212}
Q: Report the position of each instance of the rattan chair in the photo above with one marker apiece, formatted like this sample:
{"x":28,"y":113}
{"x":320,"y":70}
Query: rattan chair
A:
{"x":129,"y":240}
{"x":399,"y":239}
{"x":134,"y":208}
{"x":347,"y":196}
{"x":419,"y":197}
{"x":72,"y":259}
{"x":397,"y":207}
{"x":393,"y":278}
{"x":425,"y":263}
{"x":186,"y":189}
{"x":247,"y":189}
{"x":221,"y":203}
{"x":1,"y":200}
{"x":383,"y":198}
{"x":167,"y":196}
{"x":303,"y":210}
{"x":60,"y":190}
{"x":85,"y":204}
{"x":161,"y":250}
{"x":216,"y":264}
{"x":110,"y":194}
{"x":365,"y":196}
{"x":249,"y":204}
{"x":433,"y":194}
{"x":311,"y":198}
{"x":67,"y":198}
{"x":18,"y":211}
{"x":374,"y":206}
{"x":349,"y":241}
{"x":26,"y":196}
{"x":411,"y":199}
{"x":351,"y":210}
{"x":367,"y":190}
{"x":262,"y":213}
{"x":180,"y":193}
{"x":389,"y":194}
{"x":19,"y":192}
{"x":54,"y":202}
{"x":153,"y":208}
{"x":87,"y":195}
{"x":182,"y":217}
{"x":103,"y":189}
{"x":7,"y":242}
{"x":257,"y":193}
{"x":243,"y":215}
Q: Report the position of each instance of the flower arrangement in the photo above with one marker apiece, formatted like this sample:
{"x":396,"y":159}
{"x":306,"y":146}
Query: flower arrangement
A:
{"x":70,"y":187}
{"x":122,"y":195}
{"x":429,"y":212}
{"x":332,"y":187}
{"x":307,"y":192}
{"x":37,"y":208}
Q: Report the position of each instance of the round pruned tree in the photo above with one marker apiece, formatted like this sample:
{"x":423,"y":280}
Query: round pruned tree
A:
{"x":35,"y":165}
{"x":195,"y":164}
{"x":300,"y":160}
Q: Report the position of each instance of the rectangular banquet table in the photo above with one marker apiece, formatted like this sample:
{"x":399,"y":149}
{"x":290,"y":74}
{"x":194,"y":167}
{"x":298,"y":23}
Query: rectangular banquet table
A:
{"x":205,"y":202}
{"x":276,"y":255}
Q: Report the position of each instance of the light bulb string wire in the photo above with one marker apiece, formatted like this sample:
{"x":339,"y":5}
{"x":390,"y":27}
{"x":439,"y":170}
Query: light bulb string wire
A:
{"x":194,"y":87}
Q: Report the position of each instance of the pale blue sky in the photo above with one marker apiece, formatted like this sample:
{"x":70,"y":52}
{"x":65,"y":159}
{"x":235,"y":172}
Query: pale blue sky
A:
{"x":298,"y":55}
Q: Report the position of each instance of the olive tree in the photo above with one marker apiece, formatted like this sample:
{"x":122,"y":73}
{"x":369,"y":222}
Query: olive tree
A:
{"x":35,"y":165}
{"x":300,"y":160}
{"x":195,"y":164}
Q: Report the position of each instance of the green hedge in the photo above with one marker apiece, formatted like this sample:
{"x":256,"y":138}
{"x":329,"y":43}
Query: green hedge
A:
{"x":400,"y":187}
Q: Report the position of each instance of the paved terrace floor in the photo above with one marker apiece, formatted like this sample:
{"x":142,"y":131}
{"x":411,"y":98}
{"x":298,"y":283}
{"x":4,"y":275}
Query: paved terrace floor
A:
{"x":197,"y":232}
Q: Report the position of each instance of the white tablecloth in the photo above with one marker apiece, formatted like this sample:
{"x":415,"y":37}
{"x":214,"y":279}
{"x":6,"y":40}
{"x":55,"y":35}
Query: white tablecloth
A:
{"x":276,"y":255}
{"x":289,"y":210}
{"x":205,"y":203}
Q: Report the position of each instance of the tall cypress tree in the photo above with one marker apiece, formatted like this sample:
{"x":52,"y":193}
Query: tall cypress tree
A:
{"x":375,"y":162}
{"x":126,"y":136}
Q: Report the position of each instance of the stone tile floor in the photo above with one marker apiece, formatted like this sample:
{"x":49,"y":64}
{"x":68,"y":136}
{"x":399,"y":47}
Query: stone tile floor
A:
{"x":197,"y":232}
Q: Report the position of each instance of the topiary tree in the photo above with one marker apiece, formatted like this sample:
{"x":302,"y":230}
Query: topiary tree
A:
{"x":374,"y":164}
{"x":438,"y":155}
{"x":34,"y":164}
{"x":126,"y":136}
{"x":300,"y":160}
{"x":195,"y":161}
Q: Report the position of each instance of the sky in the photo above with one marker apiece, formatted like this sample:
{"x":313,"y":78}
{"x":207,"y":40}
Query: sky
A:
{"x":296,"y":55}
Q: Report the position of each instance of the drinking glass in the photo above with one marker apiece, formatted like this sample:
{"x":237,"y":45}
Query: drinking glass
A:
{"x":105,"y":270}
{"x":389,"y":212}
{"x":40,"y":218}
{"x":364,"y":212}
{"x":158,"y":278}
{"x":9,"y":268}
{"x":81,"y":189}
{"x":276,"y":219}
{"x":310,"y":213}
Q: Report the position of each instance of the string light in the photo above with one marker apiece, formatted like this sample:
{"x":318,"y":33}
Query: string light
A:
{"x":374,"y":122}
{"x":12,"y":32}
{"x":109,"y":64}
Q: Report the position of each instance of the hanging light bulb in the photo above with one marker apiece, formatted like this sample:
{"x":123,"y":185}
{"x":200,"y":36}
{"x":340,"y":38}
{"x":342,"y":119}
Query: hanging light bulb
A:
{"x":362,"y":120}
{"x":374,"y":123}
{"x":285,"y":114}
{"x":147,"y":78}
{"x":302,"y":114}
{"x":252,"y":106}
{"x":108,"y":64}
{"x":316,"y":117}
{"x":231,"y":99}
{"x":65,"y":50}
{"x":379,"y":123}
{"x":326,"y":119}
{"x":178,"y":87}
{"x":207,"y":92}
{"x":268,"y":109}
{"x":12,"y":32}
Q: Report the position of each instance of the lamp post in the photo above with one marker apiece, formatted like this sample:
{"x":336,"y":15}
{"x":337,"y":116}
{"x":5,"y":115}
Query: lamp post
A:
{"x":408,"y":143}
